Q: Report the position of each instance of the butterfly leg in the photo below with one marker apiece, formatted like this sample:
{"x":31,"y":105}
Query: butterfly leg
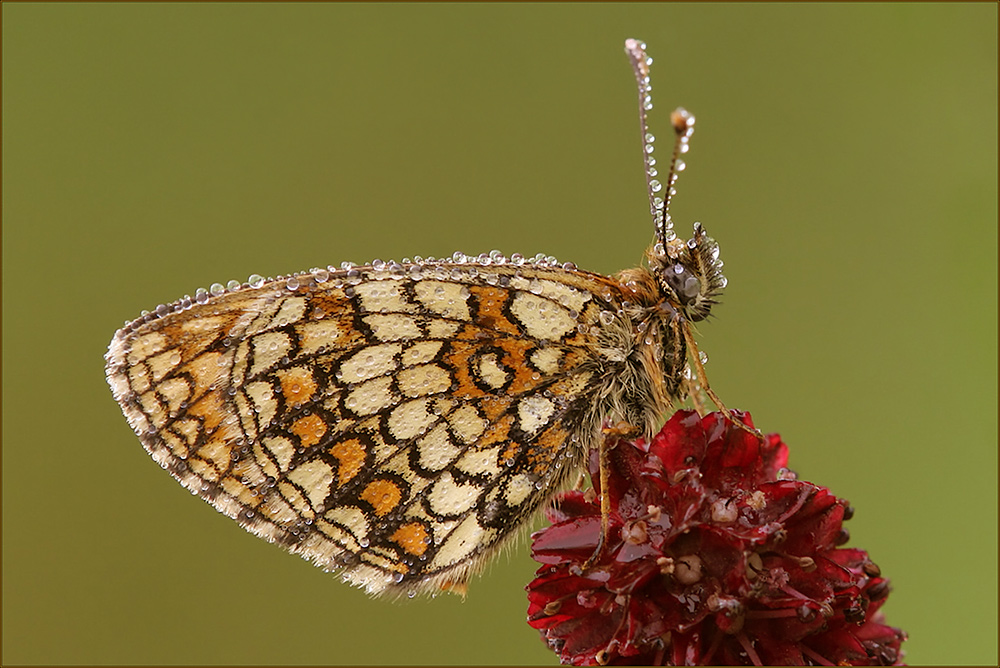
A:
{"x":694,"y":392}
{"x":611,"y":433}
{"x":703,"y":380}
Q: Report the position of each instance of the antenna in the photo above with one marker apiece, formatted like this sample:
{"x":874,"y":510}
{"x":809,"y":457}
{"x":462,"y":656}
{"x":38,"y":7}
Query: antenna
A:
{"x":683,"y":124}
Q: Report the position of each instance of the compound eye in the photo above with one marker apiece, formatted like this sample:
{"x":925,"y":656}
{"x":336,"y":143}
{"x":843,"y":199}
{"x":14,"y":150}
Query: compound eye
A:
{"x":685,"y":284}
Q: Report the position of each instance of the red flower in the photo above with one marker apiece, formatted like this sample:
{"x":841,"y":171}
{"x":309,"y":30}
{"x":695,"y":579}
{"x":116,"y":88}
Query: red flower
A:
{"x":716,"y":554}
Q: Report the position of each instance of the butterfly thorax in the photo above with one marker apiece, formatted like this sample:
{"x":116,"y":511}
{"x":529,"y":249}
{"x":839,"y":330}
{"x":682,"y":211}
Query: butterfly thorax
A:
{"x":680,"y":284}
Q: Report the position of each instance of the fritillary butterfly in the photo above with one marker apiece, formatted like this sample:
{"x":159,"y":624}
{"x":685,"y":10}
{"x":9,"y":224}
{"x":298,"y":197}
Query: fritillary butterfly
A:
{"x":396,"y":422}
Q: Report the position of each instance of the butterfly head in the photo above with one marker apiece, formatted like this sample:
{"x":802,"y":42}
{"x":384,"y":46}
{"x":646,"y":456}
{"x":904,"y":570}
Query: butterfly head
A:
{"x":689,"y":273}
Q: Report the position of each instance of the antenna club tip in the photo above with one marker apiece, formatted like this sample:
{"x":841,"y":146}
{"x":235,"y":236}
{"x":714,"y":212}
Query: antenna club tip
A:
{"x":682,"y":120}
{"x":633,"y":45}
{"x":636,"y":51}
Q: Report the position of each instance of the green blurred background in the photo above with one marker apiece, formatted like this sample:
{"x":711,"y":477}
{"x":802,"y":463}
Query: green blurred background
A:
{"x":845,"y":159}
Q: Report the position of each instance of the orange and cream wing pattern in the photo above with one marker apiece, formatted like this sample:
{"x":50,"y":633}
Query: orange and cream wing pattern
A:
{"x":393,"y":422}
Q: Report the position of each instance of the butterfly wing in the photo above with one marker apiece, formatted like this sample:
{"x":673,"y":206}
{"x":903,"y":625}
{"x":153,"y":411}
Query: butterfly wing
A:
{"x":392,"y":424}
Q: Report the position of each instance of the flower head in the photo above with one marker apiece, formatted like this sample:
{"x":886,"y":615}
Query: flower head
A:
{"x":716,"y":554}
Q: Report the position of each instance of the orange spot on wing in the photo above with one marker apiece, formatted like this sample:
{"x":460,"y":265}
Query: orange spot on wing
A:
{"x":383,"y":495}
{"x":310,"y":429}
{"x":351,"y":455}
{"x":546,"y":448}
{"x":412,"y":537}
{"x":297,"y":385}
{"x":211,"y":408}
{"x":496,"y":432}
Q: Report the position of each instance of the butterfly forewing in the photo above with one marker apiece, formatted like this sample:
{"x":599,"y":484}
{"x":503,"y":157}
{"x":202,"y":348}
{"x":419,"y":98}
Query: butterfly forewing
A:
{"x":393,"y":424}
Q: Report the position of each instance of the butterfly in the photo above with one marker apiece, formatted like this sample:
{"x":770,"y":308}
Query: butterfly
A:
{"x":397,"y":422}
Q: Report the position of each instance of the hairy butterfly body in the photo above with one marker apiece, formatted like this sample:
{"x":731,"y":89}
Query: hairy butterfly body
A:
{"x":397,"y":422}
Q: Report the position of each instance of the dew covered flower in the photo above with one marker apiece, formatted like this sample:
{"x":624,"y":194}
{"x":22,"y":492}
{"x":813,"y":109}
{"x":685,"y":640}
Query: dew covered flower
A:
{"x":716,"y":554}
